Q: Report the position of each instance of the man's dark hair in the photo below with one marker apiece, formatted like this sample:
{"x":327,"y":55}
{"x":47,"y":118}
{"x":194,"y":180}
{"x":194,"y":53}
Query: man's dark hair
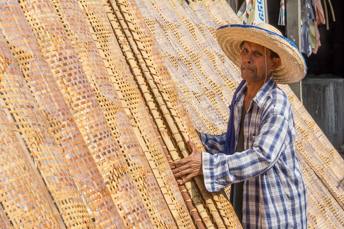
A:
{"x":272,"y":53}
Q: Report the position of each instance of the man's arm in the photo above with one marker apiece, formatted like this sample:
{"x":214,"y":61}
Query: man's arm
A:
{"x":220,"y":170}
{"x":213,"y":144}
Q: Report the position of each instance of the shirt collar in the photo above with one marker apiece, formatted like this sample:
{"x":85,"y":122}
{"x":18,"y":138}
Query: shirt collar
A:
{"x":264,"y":92}
{"x":241,"y":90}
{"x":261,"y":95}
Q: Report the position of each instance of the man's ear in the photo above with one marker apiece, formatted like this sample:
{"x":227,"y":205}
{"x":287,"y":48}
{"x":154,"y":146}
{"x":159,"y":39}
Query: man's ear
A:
{"x":276,"y":62}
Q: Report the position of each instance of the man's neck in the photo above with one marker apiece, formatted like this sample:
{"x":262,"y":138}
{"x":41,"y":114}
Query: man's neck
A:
{"x":253,"y":88}
{"x":251,"y":91}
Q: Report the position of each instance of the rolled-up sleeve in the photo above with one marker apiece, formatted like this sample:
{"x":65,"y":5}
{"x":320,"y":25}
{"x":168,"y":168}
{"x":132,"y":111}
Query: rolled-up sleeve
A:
{"x":220,"y":170}
{"x":213,"y":144}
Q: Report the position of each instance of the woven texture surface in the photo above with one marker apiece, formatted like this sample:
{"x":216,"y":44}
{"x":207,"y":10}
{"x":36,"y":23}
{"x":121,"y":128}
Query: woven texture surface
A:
{"x":98,"y":97}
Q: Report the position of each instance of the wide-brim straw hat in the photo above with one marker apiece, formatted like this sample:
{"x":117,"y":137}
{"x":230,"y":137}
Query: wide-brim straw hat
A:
{"x":293,"y":67}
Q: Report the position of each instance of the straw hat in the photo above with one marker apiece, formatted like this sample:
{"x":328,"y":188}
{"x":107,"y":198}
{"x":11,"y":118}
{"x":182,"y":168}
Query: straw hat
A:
{"x":293,"y":67}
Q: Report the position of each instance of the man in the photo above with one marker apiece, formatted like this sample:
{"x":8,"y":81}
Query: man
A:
{"x":257,"y":154}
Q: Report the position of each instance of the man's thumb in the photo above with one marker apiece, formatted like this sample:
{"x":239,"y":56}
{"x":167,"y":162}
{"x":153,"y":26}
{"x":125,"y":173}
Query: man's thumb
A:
{"x":191,"y":147}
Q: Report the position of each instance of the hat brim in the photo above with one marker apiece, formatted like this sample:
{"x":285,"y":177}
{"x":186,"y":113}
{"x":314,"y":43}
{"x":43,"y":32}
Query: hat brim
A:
{"x":293,"y":67}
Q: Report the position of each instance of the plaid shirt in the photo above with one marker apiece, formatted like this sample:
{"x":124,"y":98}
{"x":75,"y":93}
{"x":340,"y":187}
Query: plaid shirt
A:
{"x":274,"y":194}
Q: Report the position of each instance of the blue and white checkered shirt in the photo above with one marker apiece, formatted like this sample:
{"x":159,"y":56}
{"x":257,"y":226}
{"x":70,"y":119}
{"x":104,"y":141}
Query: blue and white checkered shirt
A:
{"x":274,"y":194}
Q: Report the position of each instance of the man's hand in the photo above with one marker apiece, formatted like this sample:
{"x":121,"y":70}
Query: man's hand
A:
{"x":188,"y":167}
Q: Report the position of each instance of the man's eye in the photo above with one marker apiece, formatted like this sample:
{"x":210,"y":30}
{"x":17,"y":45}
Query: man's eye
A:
{"x":257,"y":54}
{"x":244,"y":51}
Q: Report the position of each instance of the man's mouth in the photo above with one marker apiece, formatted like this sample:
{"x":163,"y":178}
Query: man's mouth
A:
{"x":246,"y":69}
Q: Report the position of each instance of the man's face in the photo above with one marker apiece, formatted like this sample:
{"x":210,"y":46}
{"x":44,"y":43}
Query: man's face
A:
{"x":256,"y":62}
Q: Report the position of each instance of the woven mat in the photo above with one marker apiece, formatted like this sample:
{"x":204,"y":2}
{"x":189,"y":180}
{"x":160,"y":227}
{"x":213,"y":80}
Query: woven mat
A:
{"x":97,"y":98}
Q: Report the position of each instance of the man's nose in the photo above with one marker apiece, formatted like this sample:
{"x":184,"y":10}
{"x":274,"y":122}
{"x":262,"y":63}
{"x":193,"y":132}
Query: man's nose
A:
{"x":248,"y":59}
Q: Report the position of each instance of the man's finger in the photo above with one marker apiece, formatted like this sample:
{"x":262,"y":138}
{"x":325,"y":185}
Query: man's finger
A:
{"x":181,"y":161}
{"x":181,"y":168}
{"x":183,"y":173}
{"x":189,"y":177}
{"x":191,"y":146}
{"x":188,"y":146}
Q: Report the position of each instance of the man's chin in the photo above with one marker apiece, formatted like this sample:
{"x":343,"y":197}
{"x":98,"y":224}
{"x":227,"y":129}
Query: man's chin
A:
{"x":247,"y":77}
{"x":250,"y":77}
